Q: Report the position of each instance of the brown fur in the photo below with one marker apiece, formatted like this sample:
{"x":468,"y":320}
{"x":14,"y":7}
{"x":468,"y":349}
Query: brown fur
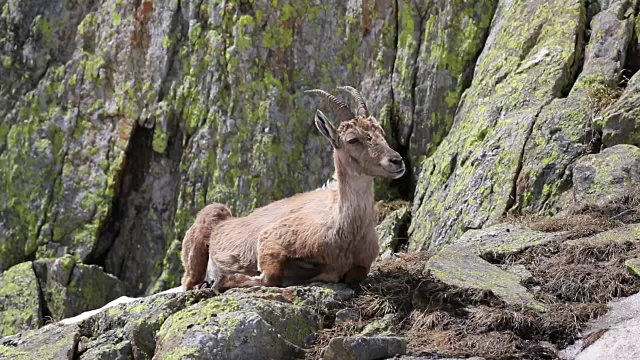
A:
{"x":322,"y":235}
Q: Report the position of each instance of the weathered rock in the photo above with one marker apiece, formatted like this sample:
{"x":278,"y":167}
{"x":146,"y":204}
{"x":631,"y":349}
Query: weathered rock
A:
{"x":565,"y":129}
{"x":110,"y":345}
{"x":20,"y":307}
{"x":393,"y":229}
{"x":364,"y":348}
{"x":623,"y":234}
{"x":346,"y":315}
{"x":237,"y":327}
{"x":608,"y":177}
{"x":612,"y":334}
{"x":70,"y":288}
{"x":437,"y":47}
{"x":460,"y":267}
{"x":621,"y":121}
{"x":269,"y":323}
{"x":529,"y":59}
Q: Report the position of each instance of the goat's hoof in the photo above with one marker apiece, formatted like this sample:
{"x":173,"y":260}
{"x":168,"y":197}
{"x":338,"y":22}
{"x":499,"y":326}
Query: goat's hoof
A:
{"x":204,"y":285}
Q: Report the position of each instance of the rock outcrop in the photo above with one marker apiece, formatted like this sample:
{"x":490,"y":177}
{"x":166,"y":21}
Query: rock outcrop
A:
{"x":121,"y":119}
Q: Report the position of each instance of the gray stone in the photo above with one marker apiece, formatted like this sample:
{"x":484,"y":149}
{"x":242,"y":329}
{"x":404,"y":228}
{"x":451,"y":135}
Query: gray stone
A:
{"x":471,"y":177}
{"x":346,"y":315}
{"x":608,"y":177}
{"x":364,"y":348}
{"x":520,"y":271}
{"x":623,"y":234}
{"x":386,"y":326}
{"x":392,"y":228}
{"x":622,"y":119}
{"x":49,"y":342}
{"x":70,"y":288}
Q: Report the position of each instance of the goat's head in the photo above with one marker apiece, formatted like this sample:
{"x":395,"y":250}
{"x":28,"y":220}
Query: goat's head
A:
{"x":358,"y":141}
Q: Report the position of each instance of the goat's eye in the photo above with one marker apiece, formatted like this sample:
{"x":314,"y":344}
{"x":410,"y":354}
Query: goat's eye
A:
{"x":352,"y":140}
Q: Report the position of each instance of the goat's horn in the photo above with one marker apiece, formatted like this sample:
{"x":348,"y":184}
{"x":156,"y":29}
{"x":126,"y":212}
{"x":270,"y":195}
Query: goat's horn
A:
{"x":362,"y":107}
{"x":341,"y":109}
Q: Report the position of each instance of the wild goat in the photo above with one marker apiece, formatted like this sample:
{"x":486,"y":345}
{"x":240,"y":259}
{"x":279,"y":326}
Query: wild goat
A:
{"x":322,"y":235}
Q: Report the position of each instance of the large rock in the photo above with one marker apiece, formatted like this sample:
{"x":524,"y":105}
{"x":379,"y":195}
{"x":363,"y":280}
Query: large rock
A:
{"x":611,"y":336}
{"x":437,"y":46}
{"x":70,"y":288}
{"x":565,"y":129}
{"x":530,"y":58}
{"x":503,"y":239}
{"x":20,"y":307}
{"x":461,"y":268}
{"x":256,"y":323}
{"x":621,"y":121}
{"x":607,"y":178}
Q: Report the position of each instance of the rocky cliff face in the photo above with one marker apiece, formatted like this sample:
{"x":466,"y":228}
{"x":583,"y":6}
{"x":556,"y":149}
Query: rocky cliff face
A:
{"x":122,"y":118}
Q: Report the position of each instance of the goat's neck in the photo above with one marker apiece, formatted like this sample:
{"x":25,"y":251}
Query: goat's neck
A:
{"x":355,"y":201}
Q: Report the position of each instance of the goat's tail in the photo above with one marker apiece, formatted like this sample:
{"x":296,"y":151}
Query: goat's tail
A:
{"x":195,"y":245}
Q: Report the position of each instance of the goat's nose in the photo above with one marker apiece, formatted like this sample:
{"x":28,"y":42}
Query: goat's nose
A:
{"x":396,"y":160}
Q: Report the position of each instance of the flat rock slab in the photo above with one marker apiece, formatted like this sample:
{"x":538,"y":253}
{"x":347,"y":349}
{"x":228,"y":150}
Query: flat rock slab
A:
{"x":503,"y":239}
{"x":621,"y":235}
{"x":364,"y":348}
{"x":462,"y":268}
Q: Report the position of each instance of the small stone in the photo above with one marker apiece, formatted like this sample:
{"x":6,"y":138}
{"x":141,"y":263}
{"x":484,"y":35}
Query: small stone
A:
{"x":364,"y":348}
{"x":346,"y":315}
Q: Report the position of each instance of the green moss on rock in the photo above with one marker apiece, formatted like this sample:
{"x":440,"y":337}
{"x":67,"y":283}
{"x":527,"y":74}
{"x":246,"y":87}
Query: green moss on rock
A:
{"x":20,"y":307}
{"x":529,"y":58}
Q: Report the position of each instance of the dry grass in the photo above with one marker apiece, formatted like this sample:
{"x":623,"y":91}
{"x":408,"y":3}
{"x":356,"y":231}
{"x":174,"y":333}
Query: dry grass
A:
{"x":575,"y":281}
{"x":582,"y":272}
{"x":385,"y":208}
{"x":600,"y":96}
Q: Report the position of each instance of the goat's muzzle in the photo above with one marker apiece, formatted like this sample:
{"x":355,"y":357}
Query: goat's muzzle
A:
{"x":394,"y":165}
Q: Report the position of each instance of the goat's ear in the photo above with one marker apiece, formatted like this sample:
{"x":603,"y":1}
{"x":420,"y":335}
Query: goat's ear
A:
{"x":326,"y":128}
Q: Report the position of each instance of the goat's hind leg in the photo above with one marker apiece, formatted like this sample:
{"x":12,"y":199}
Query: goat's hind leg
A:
{"x":356,"y":274}
{"x":195,"y":252}
{"x":300,"y":271}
